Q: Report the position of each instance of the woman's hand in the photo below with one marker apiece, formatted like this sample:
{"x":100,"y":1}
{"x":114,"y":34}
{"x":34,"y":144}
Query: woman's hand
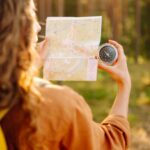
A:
{"x":119,"y":71}
{"x":42,"y":53}
{"x":42,"y":49}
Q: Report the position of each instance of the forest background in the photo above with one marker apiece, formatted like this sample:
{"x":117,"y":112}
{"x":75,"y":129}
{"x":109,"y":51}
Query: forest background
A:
{"x":128,"y":22}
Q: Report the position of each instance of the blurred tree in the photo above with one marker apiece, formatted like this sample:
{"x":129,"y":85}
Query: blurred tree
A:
{"x":44,"y":9}
{"x":60,"y":7}
{"x":91,"y":7}
{"x":41,"y":6}
{"x":71,"y":7}
{"x":113,"y":8}
{"x":48,"y":7}
{"x":145,"y":29}
{"x":124,"y":15}
{"x":79,"y":8}
{"x":138,"y":29}
{"x":123,"y":20}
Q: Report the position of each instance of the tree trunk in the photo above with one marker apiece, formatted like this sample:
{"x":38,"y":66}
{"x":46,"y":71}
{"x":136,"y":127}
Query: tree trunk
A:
{"x":115,"y":15}
{"x":48,"y":6}
{"x":91,"y":6}
{"x":138,"y":29}
{"x":117,"y":20}
{"x":124,"y":15}
{"x":79,"y":8}
{"x":42,"y":11}
{"x":60,"y":7}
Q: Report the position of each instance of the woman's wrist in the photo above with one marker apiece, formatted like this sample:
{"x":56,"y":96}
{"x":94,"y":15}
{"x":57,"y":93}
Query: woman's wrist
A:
{"x":125,"y":86}
{"x":120,"y":106}
{"x":125,"y":83}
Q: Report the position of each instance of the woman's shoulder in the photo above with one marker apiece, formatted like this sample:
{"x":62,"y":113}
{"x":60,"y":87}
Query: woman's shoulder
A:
{"x":61,"y":93}
{"x":59,"y":105}
{"x":62,"y":97}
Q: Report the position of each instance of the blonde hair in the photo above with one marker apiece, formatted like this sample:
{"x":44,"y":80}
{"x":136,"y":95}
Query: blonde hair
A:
{"x":16,"y":38}
{"x":17,"y":34}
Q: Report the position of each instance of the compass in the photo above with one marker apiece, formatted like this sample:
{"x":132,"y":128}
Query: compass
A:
{"x":108,"y":54}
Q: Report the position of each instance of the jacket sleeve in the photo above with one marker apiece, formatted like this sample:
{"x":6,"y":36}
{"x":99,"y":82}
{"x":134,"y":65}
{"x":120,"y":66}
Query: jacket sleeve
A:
{"x":85,"y":134}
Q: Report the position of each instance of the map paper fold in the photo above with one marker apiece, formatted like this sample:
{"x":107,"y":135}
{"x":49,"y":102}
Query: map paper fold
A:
{"x":73,"y":45}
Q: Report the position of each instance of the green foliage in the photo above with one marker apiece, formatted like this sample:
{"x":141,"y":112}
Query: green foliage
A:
{"x":145,"y":29}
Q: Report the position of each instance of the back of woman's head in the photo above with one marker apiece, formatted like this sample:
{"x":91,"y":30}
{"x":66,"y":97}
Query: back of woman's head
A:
{"x":17,"y":20}
{"x":17,"y":43}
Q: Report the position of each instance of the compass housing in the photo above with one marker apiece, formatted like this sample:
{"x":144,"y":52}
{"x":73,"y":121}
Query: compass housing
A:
{"x":108,"y":54}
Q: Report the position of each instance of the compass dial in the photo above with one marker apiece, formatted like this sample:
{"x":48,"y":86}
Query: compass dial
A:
{"x":107,"y":54}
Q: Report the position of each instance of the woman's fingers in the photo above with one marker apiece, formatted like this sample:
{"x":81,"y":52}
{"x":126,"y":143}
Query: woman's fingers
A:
{"x":106,"y":68}
{"x":120,"y":50}
{"x":116,"y":44}
{"x":42,"y":44}
{"x":119,"y":71}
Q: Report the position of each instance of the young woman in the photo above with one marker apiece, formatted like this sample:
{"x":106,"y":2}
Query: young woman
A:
{"x":38,"y":115}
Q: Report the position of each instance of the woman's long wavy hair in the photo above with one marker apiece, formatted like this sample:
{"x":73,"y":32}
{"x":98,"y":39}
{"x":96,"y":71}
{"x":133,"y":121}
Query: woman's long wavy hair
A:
{"x":17,"y":20}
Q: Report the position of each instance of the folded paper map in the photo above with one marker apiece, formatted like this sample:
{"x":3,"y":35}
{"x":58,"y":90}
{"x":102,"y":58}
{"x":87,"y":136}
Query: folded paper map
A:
{"x":73,"y":45}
